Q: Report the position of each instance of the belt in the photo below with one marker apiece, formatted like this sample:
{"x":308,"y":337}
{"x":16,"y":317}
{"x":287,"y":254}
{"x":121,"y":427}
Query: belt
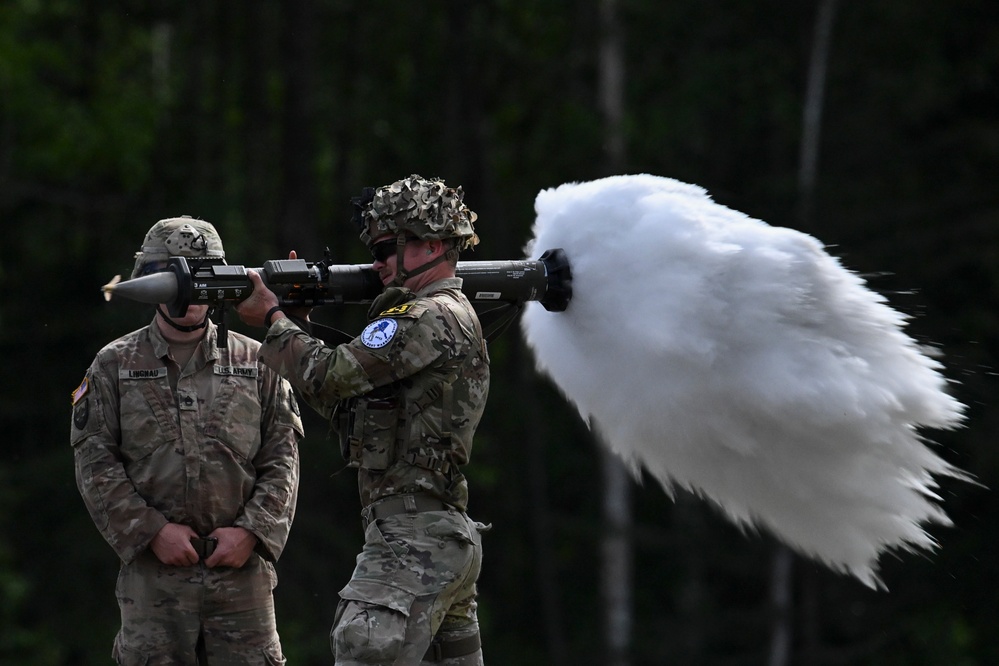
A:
{"x":396,"y":504}
{"x":204,"y":546}
{"x":439,"y":651}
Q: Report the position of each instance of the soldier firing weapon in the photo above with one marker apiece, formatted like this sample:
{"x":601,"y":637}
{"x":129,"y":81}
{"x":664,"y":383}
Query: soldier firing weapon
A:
{"x":722,"y":355}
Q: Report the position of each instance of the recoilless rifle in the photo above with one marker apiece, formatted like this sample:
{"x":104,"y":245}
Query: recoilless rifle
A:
{"x":299,"y":283}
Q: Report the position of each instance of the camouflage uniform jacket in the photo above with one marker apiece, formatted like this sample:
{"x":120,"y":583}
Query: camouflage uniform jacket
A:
{"x":219,"y":448}
{"x":405,"y":396}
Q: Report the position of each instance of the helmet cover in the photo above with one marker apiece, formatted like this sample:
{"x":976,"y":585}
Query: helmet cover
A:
{"x":425,"y":208}
{"x":178,"y":237}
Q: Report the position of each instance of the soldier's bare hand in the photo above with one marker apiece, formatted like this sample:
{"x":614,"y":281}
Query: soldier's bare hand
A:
{"x":253,"y":310}
{"x":297,"y":312}
{"x":235,"y":546}
{"x":172,"y":545}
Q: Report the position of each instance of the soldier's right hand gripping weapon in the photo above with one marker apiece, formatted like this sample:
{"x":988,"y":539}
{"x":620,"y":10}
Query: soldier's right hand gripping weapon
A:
{"x":297,"y":282}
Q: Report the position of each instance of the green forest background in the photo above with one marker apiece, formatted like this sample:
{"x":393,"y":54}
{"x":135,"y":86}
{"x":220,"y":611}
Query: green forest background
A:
{"x":266,"y":117}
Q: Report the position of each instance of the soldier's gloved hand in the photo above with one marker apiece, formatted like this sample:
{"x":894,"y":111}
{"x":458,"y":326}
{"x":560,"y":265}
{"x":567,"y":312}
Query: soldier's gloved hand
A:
{"x":235,"y":546}
{"x":172,"y":545}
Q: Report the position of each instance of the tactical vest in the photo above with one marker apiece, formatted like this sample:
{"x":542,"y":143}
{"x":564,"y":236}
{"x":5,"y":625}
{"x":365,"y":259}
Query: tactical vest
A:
{"x":376,"y":430}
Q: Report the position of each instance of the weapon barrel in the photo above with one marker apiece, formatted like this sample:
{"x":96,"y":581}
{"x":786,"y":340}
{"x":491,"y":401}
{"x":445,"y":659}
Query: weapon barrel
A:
{"x":516,"y":282}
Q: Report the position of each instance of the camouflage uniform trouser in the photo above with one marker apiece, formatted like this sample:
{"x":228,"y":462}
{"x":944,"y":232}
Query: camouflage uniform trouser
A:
{"x":414,"y":578}
{"x":191,"y":615}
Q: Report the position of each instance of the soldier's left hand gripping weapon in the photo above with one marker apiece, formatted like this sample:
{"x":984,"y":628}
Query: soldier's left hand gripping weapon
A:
{"x":299,"y":283}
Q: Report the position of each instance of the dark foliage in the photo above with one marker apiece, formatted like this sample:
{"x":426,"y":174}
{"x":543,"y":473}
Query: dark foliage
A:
{"x":265,"y":118}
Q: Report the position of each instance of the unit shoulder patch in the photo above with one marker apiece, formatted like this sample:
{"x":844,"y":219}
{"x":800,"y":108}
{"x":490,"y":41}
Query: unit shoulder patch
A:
{"x":379,"y":333}
{"x":81,"y":413}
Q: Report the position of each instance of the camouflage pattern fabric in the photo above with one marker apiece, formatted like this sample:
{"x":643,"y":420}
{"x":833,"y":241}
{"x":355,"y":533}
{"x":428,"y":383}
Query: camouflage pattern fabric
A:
{"x":406,"y":396}
{"x":212,"y":444}
{"x":415,"y":576}
{"x":165,"y":609}
{"x":178,"y":237}
{"x":434,"y":337}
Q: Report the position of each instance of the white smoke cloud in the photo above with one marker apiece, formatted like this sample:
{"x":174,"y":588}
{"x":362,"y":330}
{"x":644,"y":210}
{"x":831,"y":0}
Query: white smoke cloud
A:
{"x":742,"y":362}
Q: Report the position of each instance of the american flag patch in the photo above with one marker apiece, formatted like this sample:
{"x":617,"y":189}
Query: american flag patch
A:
{"x":81,"y":390}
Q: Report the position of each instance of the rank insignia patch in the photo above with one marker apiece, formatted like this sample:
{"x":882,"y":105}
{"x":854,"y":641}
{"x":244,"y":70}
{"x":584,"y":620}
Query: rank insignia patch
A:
{"x":397,"y":310}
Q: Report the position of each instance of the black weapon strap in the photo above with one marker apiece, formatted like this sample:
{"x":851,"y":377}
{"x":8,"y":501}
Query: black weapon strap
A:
{"x":328,"y":334}
{"x":496,"y":321}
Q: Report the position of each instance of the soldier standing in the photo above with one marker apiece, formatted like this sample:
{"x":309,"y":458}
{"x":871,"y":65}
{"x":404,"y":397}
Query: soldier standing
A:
{"x":405,"y":397}
{"x":186,"y":452}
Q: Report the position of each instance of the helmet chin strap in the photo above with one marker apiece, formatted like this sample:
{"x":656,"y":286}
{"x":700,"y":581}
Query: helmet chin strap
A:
{"x":401,"y":274}
{"x":183,"y":329}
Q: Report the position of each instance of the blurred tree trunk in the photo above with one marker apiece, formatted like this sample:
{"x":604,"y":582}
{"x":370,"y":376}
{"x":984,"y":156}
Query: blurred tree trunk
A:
{"x":299,"y":200}
{"x":542,"y":525}
{"x":464,"y":113}
{"x":781,"y":636}
{"x":259,"y":204}
{"x":616,"y":577}
{"x":616,"y":587}
{"x":811,"y":125}
{"x":782,"y":576}
{"x":199,"y":61}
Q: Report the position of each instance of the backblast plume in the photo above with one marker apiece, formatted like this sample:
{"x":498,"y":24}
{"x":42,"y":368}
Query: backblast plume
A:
{"x":744,"y":363}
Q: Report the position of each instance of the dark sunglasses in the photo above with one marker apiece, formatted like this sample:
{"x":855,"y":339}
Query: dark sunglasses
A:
{"x":382,"y":250}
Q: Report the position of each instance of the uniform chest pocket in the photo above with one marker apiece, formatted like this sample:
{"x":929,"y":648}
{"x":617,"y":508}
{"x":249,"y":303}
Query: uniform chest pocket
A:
{"x":147,"y":420}
{"x":235,"y":417}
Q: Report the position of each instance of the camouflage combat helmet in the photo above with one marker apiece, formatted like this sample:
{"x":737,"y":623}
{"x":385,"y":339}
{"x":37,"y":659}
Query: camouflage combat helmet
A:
{"x":423,"y":207}
{"x":178,"y":237}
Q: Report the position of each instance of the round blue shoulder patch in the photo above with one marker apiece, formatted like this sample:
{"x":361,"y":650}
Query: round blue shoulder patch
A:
{"x":379,"y":333}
